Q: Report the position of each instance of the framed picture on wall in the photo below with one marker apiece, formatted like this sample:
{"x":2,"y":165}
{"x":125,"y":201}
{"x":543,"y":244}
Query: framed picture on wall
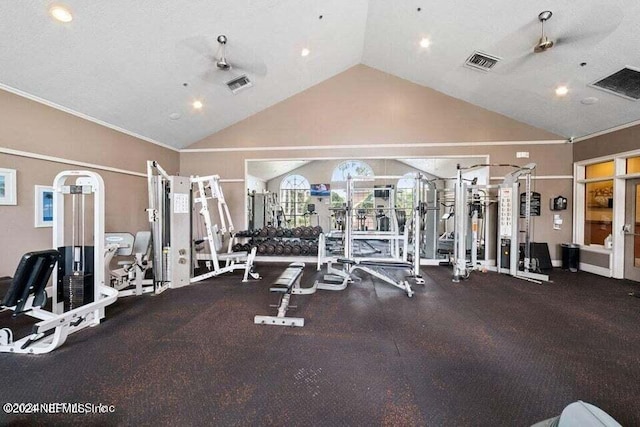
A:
{"x":8,"y":187}
{"x":43,"y":206}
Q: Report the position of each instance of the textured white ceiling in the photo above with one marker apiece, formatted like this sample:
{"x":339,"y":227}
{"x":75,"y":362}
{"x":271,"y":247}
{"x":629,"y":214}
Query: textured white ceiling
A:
{"x":267,"y":170}
{"x":125,"y":62}
{"x":602,"y":33}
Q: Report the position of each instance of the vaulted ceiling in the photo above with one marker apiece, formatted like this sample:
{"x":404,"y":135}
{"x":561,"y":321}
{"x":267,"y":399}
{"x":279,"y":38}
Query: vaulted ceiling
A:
{"x":138,"y":66}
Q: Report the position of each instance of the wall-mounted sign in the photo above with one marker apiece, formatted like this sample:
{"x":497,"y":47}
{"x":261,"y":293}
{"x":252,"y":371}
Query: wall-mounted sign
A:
{"x":535,"y":204}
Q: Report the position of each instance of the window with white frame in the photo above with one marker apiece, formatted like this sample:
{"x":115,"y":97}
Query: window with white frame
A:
{"x":294,"y":198}
{"x":405,"y":193}
{"x":361,"y":199}
{"x":598,"y":202}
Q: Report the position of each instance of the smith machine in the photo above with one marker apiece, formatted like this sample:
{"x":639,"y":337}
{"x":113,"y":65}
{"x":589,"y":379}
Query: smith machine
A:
{"x":395,"y":262}
{"x":471,"y":206}
{"x":174,"y":201}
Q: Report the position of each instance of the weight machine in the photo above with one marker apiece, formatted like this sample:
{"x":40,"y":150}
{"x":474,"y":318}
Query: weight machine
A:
{"x":337,"y":279}
{"x":170,"y":213}
{"x":472,"y":214}
{"x":208,"y":188}
{"x":78,"y":291}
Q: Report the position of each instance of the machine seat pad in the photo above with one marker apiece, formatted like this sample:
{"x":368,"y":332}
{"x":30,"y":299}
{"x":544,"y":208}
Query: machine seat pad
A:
{"x":386,"y":264}
{"x":232,"y":255}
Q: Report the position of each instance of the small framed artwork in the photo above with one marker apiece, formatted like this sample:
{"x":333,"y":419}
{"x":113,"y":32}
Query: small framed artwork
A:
{"x":44,"y":206}
{"x":8,"y":187}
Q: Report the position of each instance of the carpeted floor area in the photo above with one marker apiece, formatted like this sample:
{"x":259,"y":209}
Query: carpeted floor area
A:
{"x":491,"y":350}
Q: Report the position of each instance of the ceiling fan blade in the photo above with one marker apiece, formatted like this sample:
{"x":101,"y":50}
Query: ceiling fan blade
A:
{"x":200,"y":45}
{"x":590,"y":27}
{"x":512,"y":65}
{"x":256,"y":68}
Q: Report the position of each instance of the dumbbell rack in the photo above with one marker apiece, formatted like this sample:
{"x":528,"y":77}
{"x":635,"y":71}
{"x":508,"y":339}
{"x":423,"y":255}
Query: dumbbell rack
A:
{"x":280,"y":242}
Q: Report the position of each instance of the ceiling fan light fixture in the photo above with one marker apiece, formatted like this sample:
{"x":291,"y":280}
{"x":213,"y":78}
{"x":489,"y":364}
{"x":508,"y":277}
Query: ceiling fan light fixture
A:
{"x":543,"y":44}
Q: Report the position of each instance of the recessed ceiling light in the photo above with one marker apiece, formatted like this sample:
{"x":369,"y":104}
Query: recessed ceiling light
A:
{"x":175,"y":116}
{"x":425,"y":42}
{"x":562,"y":90}
{"x":305,"y":52}
{"x":197,"y":105}
{"x":61,"y":14}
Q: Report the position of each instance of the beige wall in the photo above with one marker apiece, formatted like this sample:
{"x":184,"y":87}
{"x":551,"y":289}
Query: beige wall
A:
{"x":369,"y":107}
{"x":611,"y":143}
{"x":33,"y":127}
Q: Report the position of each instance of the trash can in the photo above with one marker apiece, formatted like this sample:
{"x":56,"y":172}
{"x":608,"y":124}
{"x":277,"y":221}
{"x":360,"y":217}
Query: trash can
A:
{"x":570,"y":257}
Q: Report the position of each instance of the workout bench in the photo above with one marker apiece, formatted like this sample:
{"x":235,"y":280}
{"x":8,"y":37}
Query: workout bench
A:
{"x":288,"y":283}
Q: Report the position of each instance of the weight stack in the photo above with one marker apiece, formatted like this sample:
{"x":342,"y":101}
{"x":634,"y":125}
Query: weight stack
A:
{"x":75,"y":288}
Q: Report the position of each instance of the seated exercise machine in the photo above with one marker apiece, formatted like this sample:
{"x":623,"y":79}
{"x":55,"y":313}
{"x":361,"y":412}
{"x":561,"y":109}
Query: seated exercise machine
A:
{"x":385,"y":269}
{"x":173,"y":202}
{"x":133,"y":258}
{"x":78,"y":295}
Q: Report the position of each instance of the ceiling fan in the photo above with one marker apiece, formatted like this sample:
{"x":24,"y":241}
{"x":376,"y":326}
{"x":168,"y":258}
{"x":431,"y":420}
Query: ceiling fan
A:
{"x":544,"y":43}
{"x":222,"y":65}
{"x":572,"y":40}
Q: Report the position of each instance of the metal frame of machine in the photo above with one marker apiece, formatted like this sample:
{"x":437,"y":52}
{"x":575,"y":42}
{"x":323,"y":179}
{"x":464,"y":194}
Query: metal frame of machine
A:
{"x":508,"y":233}
{"x":73,"y":274}
{"x":338,"y":279}
{"x":170,"y":214}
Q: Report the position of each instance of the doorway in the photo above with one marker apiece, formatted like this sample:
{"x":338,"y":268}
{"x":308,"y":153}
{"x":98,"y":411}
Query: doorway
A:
{"x":632,"y":231}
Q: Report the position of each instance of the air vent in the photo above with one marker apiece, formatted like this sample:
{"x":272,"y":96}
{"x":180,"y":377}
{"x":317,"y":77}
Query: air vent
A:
{"x":239,"y":83}
{"x":481,"y":61}
{"x":624,"y":83}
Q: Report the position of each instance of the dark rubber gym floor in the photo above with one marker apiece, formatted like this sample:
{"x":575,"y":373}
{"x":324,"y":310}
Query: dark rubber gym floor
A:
{"x":492,"y":350}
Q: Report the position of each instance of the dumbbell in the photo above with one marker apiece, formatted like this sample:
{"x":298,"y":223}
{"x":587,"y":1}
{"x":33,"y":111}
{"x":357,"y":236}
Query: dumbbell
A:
{"x":297,"y":232}
{"x":237,"y":247}
{"x":271,"y":248}
{"x":279,"y":232}
{"x":304,"y":248}
{"x":262,"y":248}
{"x":263,"y":232}
{"x":317,"y":230}
{"x":296,"y":249}
{"x":271,"y":231}
{"x":288,"y":249}
{"x":279,"y":249}
{"x":306,"y":231}
{"x":313,"y":249}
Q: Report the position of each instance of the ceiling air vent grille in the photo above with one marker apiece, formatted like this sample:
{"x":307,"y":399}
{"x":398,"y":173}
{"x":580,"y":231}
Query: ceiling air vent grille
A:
{"x":239,"y":83}
{"x":624,"y":83}
{"x":481,"y":61}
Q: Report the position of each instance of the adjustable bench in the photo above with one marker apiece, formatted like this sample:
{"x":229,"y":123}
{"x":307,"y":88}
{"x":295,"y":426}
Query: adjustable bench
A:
{"x":376,"y":269}
{"x":287,"y":283}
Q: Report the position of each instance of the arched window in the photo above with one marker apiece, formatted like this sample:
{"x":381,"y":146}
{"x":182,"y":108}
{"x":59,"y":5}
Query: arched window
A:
{"x":405,"y":192}
{"x":338,"y":188}
{"x":351,"y":167}
{"x":294,"y":197}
